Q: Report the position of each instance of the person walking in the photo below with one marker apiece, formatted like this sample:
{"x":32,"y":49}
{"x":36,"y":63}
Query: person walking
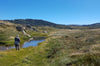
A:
{"x":17,"y":42}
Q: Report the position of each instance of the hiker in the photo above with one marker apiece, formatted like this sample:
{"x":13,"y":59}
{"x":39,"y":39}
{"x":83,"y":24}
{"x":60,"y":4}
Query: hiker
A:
{"x":17,"y":41}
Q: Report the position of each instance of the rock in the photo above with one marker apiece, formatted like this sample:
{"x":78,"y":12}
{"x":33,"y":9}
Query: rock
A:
{"x":24,"y":28}
{"x":45,"y":32}
{"x":30,"y":39}
{"x":24,"y":32}
{"x":34,"y":29}
{"x":28,"y":26}
{"x":28,"y":35}
{"x":19,"y":28}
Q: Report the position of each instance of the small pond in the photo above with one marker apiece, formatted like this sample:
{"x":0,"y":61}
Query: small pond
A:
{"x":26,"y":44}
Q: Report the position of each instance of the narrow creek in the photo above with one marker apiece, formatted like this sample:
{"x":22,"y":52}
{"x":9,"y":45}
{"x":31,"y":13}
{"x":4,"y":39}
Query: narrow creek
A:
{"x":26,"y":44}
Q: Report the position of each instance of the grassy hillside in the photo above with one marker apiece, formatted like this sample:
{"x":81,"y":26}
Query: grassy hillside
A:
{"x":63,"y":48}
{"x":75,"y":48}
{"x":8,"y":32}
{"x":93,"y":26}
{"x":37,"y":23}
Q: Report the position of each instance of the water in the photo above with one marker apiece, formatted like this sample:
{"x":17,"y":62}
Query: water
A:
{"x":32,"y":43}
{"x":26,"y":44}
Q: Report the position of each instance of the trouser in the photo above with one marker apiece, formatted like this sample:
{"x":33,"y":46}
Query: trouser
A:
{"x":17,"y":47}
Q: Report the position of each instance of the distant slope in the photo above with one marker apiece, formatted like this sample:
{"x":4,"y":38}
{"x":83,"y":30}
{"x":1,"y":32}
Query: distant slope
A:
{"x":95,"y":25}
{"x":36,"y":22}
{"x":7,"y":32}
{"x":91,"y":26}
{"x":32,"y":22}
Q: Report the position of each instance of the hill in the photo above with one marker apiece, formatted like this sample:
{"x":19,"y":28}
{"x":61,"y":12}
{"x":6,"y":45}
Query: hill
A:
{"x":37,"y":23}
{"x":63,"y":47}
{"x":92,"y":26}
{"x":9,"y":30}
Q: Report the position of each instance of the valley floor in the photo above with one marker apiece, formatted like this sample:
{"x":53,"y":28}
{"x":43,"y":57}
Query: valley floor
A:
{"x":63,"y":47}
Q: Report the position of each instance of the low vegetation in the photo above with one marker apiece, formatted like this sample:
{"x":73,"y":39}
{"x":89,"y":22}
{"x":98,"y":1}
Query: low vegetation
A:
{"x":8,"y":32}
{"x":75,"y":49}
{"x":63,"y":47}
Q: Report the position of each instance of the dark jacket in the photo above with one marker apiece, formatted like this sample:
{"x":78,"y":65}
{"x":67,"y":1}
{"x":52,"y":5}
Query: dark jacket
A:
{"x":17,"y":40}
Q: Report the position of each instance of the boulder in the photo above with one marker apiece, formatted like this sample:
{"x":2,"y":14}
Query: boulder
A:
{"x":34,"y":29}
{"x":28,"y":26}
{"x":19,"y":28}
{"x":45,"y":32}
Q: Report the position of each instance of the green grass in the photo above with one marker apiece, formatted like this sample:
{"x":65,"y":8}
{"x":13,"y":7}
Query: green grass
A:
{"x":63,"y":48}
{"x":8,"y":32}
{"x":25,"y":57}
{"x":39,"y":34}
{"x":6,"y":39}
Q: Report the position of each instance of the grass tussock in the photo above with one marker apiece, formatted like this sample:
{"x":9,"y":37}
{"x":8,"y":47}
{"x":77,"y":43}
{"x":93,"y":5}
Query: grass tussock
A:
{"x":75,"y":49}
{"x":61,"y":48}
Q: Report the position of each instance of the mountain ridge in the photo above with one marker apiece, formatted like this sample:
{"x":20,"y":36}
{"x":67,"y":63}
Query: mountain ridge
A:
{"x":39,"y":22}
{"x":36,"y":22}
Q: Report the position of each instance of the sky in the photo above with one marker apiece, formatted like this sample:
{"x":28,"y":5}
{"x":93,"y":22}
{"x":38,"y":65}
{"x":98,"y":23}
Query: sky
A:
{"x":56,"y":11}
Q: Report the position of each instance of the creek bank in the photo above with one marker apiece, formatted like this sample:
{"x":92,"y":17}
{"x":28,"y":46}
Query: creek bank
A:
{"x":24,"y":45}
{"x":39,"y":37}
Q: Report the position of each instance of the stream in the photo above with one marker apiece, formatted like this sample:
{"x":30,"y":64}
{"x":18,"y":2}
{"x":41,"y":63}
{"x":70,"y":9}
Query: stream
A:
{"x":26,"y":44}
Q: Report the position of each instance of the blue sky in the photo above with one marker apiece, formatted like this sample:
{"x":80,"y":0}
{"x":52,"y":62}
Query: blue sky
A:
{"x":57,"y":11}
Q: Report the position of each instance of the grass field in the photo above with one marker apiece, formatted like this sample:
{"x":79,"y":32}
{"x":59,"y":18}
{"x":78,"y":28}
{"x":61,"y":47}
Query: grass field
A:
{"x":63,"y":47}
{"x":8,"y":32}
